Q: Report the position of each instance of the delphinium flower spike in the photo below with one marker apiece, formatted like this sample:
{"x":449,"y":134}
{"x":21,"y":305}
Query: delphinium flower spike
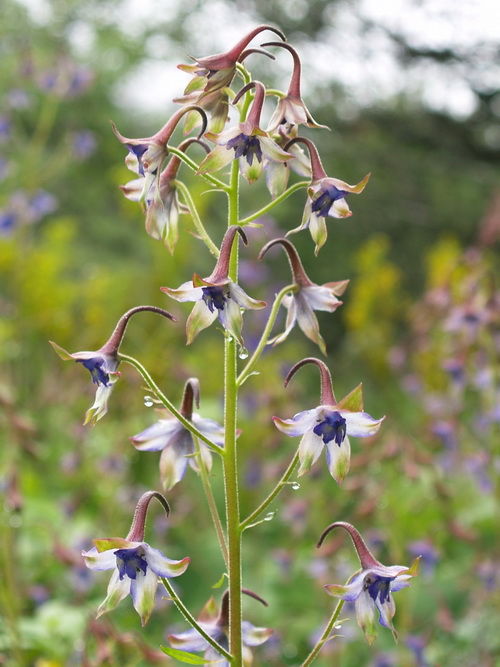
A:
{"x":326,"y":197}
{"x":217,"y":626}
{"x":291,"y":109}
{"x":146,"y":155}
{"x":249,"y":142}
{"x":213,"y":74}
{"x":103,"y":363}
{"x":371,"y":589}
{"x":175,"y":441}
{"x":162,"y":201}
{"x":328,"y":425}
{"x":216,"y":296}
{"x":136,"y":566}
{"x":308,"y":297}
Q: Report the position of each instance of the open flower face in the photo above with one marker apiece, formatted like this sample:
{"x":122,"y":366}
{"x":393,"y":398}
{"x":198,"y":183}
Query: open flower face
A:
{"x":216,"y":297}
{"x":371,"y":589}
{"x":329,"y":425}
{"x":136,"y":567}
{"x":245,"y":142}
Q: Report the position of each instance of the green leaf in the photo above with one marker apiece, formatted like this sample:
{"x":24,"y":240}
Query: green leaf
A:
{"x":184,"y":656}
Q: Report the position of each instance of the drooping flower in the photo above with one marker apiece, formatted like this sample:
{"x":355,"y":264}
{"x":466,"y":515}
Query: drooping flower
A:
{"x":307,"y":297}
{"x":211,"y":77}
{"x":246,"y":142}
{"x":217,"y":626}
{"x":328,"y":425}
{"x":146,"y":155}
{"x":103,"y":363}
{"x":326,"y":197}
{"x":216,"y":296}
{"x":291,"y":110}
{"x":175,"y":441}
{"x":136,"y":566}
{"x":371,"y":589}
{"x":162,"y":201}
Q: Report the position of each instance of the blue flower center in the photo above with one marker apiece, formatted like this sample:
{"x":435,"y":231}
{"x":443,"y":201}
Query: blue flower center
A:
{"x":95,"y":366}
{"x":333,"y":427}
{"x":214,"y":297}
{"x":378,"y":587}
{"x":322,"y":204}
{"x":130,"y":562}
{"x":245,"y":146}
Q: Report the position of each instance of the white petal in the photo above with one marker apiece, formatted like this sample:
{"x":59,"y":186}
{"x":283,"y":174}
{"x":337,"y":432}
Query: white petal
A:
{"x":143,"y":591}
{"x":190,"y":640}
{"x":309,"y":449}
{"x":231,"y":319}
{"x":185,"y":292}
{"x":173,"y":464}
{"x":157,"y":436}
{"x":163,"y":566}
{"x":253,"y":636}
{"x":242,"y":298}
{"x":386,"y":611}
{"x":338,"y":459}
{"x":298,"y":424}
{"x":272,"y":151}
{"x":365,"y":615}
{"x":308,"y":321}
{"x":95,"y":560}
{"x":100,"y":405}
{"x":321,"y":298}
{"x":199,"y":318}
{"x":319,"y":232}
{"x":360,"y":424}
{"x":117,"y":590}
{"x":350,"y":592}
{"x":291,"y":317}
{"x":210,"y":428}
{"x":339,"y":209}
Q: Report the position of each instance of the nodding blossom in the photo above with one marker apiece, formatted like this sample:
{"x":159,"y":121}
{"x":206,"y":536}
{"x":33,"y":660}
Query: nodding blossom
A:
{"x":136,"y":566}
{"x":328,"y":425}
{"x":162,"y":200}
{"x":307,"y":297}
{"x":326,"y":197}
{"x":371,"y":588}
{"x":217,"y":296}
{"x":291,"y":109}
{"x":217,"y":626}
{"x":211,"y":77}
{"x":147,"y":154}
{"x":175,"y":441}
{"x":103,"y":363}
{"x":246,"y":142}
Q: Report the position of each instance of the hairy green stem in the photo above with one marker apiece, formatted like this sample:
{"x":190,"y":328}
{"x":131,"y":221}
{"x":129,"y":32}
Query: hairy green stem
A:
{"x":202,"y":232}
{"x":230,"y":459}
{"x":279,"y":486}
{"x":212,"y":505}
{"x":265,"y":209}
{"x":245,"y":373}
{"x":192,"y":165}
{"x":170,"y":406}
{"x":192,"y":621}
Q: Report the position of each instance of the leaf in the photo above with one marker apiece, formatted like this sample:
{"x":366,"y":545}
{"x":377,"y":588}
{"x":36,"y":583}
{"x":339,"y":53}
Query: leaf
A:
{"x":184,"y":656}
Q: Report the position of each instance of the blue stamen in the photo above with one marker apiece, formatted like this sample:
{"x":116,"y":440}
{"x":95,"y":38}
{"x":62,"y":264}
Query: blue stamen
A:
{"x":95,"y":366}
{"x":130,"y":562}
{"x":324,"y":201}
{"x":214,"y":297}
{"x":138,"y":151}
{"x":333,"y":427}
{"x":246,"y":146}
{"x":380,"y":587}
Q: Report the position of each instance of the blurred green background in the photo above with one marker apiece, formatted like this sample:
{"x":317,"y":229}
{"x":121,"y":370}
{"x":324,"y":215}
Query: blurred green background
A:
{"x":414,"y":100}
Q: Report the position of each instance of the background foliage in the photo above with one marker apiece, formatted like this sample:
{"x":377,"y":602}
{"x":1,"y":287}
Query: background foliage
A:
{"x":419,"y":327}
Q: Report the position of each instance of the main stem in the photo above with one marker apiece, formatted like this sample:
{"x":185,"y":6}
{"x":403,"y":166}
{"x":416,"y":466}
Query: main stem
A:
{"x":230,"y":452}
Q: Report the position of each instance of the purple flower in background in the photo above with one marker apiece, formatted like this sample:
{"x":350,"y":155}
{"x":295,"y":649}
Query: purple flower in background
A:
{"x":17,"y":98}
{"x":5,"y":128}
{"x":41,"y":204}
{"x":83,"y":143}
{"x":417,"y":646}
{"x":4,"y":168}
{"x":7,"y":222}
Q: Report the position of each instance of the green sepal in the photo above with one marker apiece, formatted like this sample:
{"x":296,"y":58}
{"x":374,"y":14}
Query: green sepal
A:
{"x":353,"y":401}
{"x":185,"y":657}
{"x":107,"y":543}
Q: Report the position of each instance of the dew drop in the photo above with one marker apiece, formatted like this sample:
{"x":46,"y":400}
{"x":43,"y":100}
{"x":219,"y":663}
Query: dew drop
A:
{"x":148,"y":401}
{"x":270,"y":516}
{"x":243,"y":353}
{"x":295,"y":486}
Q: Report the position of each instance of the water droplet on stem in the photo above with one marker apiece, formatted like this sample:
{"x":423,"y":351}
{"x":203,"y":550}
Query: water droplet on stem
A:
{"x":148,"y":401}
